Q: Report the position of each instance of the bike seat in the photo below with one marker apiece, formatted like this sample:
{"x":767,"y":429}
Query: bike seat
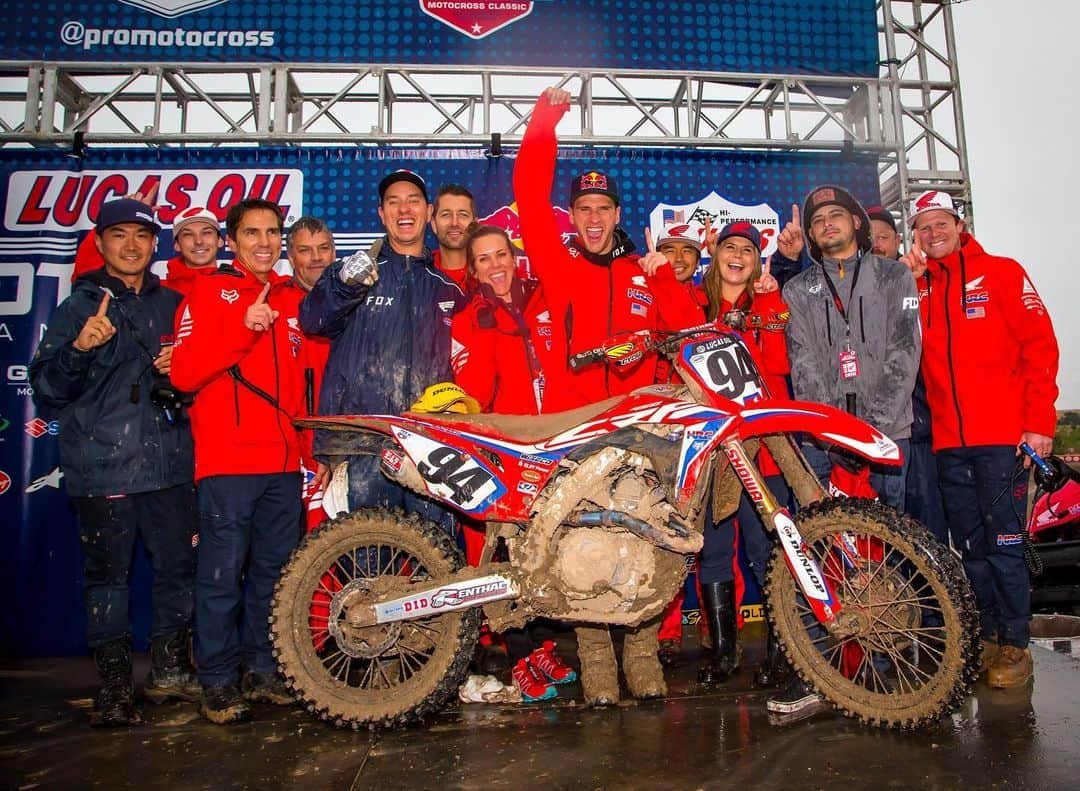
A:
{"x":526,"y":429}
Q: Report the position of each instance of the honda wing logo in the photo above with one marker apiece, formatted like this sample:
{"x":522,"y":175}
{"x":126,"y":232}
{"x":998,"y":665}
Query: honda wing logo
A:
{"x":51,"y":480}
{"x":172,"y":8}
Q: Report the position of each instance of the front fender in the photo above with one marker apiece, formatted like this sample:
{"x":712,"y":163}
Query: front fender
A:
{"x":831,"y":425}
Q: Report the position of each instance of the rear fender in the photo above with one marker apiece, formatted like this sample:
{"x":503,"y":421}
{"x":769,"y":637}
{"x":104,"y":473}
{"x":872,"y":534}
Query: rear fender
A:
{"x":827,"y":423}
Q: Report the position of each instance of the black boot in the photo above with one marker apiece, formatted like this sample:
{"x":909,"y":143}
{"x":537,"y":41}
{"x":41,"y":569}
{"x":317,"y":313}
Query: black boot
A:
{"x":171,"y":675}
{"x":774,"y":668}
{"x":114,"y":705}
{"x":718,"y":607}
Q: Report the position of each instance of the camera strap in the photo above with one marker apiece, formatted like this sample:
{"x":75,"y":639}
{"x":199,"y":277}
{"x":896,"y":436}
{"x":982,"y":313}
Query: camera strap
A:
{"x":237,"y":376}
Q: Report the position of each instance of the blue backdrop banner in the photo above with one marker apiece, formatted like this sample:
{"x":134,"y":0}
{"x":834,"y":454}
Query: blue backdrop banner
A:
{"x":823,"y":37}
{"x":49,"y":200}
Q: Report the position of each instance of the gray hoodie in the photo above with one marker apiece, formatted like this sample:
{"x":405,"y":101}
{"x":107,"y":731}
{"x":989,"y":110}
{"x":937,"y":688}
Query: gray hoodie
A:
{"x":884,"y":333}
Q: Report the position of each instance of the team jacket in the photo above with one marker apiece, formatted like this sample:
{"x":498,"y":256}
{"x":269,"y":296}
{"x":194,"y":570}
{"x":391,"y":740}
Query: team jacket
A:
{"x":237,"y":431}
{"x":179,"y":276}
{"x":108,"y":444}
{"x":990,"y":358}
{"x":387,"y":342}
{"x":764,"y":337}
{"x":462,"y":278}
{"x":595,"y":300}
{"x":884,"y":334}
{"x":512,"y":359}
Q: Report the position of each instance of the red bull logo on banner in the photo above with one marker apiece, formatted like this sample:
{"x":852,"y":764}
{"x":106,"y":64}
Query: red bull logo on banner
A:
{"x":57,"y":200}
{"x":718,"y":211}
{"x":476,"y":18}
{"x":506,"y":217}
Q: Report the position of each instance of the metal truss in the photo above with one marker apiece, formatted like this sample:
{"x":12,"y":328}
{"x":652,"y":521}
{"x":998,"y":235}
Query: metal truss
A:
{"x":909,"y":116}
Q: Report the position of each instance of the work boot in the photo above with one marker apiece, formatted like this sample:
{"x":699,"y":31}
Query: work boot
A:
{"x":721,"y":661}
{"x":640,"y":663}
{"x":797,"y":702}
{"x":773,"y":670}
{"x":599,"y":674}
{"x":114,"y":705}
{"x":670,"y":652}
{"x":223,"y":705}
{"x":171,"y":675}
{"x":266,"y":688}
{"x":990,"y":651}
{"x":1012,"y":668}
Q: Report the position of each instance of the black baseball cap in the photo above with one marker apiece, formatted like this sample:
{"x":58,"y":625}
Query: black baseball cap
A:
{"x":593,"y":182}
{"x":124,"y":210}
{"x":402,"y":175}
{"x":878,"y":213}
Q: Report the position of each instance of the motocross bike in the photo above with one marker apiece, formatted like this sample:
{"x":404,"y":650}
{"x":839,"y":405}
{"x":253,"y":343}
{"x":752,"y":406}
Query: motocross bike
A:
{"x":374,"y":619}
{"x":1052,"y":545}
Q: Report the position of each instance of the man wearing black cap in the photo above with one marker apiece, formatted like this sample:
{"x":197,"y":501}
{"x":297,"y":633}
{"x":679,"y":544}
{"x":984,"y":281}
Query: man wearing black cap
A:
{"x":127,"y":461}
{"x":883,"y":235}
{"x":387,"y":314}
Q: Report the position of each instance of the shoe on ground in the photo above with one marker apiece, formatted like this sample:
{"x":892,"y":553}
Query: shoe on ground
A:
{"x":114,"y":705}
{"x":797,"y":702}
{"x":1012,"y":668}
{"x":223,"y":705}
{"x":487,"y":689}
{"x":990,"y":651}
{"x":670,"y":652}
{"x":531,"y":683}
{"x":171,"y":675}
{"x":547,"y":661}
{"x":266,"y":688}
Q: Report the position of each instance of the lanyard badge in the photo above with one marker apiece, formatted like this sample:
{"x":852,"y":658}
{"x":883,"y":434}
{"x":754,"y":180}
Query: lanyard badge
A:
{"x":849,"y":362}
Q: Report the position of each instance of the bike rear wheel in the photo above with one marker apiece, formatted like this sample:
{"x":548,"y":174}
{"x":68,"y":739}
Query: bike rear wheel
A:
{"x":913,"y":657}
{"x":388,"y":675}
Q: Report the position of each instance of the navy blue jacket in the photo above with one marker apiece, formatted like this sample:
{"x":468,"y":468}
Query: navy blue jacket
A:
{"x":108,"y":444}
{"x":387,"y":342}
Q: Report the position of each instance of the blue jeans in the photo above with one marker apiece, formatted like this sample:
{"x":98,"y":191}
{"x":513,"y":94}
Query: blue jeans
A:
{"x":167,"y":521}
{"x":369,"y":488}
{"x":984,"y":505}
{"x":717,"y":561}
{"x":888,"y":482}
{"x":249,"y":524}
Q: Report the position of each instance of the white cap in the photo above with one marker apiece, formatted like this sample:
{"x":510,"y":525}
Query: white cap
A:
{"x":933,"y":200}
{"x":194,"y":214}
{"x":680,"y":232}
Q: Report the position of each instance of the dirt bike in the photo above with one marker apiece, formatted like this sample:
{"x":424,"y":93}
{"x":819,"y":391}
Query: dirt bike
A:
{"x":374,"y":619}
{"x":1053,"y":530}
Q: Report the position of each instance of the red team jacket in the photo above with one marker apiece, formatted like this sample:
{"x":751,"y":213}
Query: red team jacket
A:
{"x":236,"y":431}
{"x":462,"y":277}
{"x":595,"y":301}
{"x":990,"y":357}
{"x":513,"y":365}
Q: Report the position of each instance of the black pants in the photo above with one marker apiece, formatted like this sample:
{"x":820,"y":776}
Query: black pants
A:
{"x":168,"y":523}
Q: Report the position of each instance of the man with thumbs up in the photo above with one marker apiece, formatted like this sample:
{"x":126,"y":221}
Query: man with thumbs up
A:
{"x":127,"y":464}
{"x":238,"y":344}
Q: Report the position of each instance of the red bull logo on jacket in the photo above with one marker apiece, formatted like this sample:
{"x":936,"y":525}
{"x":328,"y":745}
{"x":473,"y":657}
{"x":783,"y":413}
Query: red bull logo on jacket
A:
{"x":57,"y":200}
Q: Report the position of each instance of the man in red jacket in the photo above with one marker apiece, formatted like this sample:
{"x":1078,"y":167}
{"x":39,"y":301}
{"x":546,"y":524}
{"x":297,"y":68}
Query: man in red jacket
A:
{"x":990,"y":363}
{"x":453,"y":211}
{"x":238,"y":342}
{"x":595,"y":288}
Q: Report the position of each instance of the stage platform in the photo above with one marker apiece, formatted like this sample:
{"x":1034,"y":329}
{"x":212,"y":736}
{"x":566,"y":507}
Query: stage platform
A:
{"x":694,"y":739}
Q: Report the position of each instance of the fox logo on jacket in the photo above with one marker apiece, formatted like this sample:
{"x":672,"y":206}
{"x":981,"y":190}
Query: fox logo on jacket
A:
{"x":230,"y":295}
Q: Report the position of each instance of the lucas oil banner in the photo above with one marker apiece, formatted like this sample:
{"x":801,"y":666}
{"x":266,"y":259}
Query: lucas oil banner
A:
{"x":825,"y":37}
{"x":48,"y":201}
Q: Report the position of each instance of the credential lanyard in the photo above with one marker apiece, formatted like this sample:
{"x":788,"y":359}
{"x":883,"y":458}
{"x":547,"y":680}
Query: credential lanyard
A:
{"x":836,"y":295}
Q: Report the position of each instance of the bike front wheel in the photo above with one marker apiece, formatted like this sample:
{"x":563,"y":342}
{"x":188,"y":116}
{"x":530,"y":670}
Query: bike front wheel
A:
{"x":910,"y":653}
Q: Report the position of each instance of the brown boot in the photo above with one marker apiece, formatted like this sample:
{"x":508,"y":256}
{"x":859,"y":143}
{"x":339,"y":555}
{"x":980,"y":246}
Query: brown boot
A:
{"x":990,"y":651}
{"x":641,"y":666}
{"x":599,"y":674}
{"x":1012,"y":668}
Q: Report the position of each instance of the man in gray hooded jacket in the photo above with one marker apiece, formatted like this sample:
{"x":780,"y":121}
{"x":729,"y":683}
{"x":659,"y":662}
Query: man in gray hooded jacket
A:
{"x":854,"y":327}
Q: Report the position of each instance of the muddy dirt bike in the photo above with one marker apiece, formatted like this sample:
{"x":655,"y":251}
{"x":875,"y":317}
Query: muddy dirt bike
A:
{"x":375,"y":619}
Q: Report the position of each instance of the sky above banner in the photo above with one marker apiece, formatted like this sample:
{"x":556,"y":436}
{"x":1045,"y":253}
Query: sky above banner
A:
{"x":826,"y":37}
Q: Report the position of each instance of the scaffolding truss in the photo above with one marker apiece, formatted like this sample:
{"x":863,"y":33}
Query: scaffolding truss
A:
{"x":909,"y":116}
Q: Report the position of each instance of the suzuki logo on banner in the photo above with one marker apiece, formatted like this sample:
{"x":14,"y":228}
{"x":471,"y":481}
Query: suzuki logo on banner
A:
{"x":172,"y":8}
{"x":59,"y":200}
{"x":478,"y":18}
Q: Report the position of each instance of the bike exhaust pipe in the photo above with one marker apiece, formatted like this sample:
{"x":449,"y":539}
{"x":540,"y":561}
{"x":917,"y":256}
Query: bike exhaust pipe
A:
{"x":684,"y":545}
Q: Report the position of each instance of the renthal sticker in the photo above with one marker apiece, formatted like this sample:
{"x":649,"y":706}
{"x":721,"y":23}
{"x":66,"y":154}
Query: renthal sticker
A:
{"x":532,"y":475}
{"x":806,"y":570}
{"x":471,"y":592}
{"x":391,"y":461}
{"x":527,"y":488}
{"x":450,"y":473}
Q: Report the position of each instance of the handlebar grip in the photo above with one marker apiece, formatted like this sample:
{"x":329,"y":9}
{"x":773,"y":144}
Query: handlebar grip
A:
{"x":1039,"y":461}
{"x":581,"y":359}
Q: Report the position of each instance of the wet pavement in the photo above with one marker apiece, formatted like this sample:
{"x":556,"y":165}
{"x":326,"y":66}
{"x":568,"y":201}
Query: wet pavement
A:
{"x":694,"y":739}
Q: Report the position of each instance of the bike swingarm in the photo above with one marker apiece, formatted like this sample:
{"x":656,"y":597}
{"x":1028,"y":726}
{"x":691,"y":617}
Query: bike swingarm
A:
{"x":438,"y":598}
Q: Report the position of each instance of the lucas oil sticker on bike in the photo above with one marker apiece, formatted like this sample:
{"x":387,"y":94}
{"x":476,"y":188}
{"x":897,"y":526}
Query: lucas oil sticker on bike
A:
{"x":451,"y":474}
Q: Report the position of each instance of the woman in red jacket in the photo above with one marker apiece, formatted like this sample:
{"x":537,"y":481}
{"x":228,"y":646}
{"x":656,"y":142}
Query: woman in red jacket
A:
{"x":743,"y":295}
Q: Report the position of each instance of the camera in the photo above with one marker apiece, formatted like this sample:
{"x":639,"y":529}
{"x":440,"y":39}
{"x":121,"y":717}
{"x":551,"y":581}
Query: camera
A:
{"x":171,"y":400}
